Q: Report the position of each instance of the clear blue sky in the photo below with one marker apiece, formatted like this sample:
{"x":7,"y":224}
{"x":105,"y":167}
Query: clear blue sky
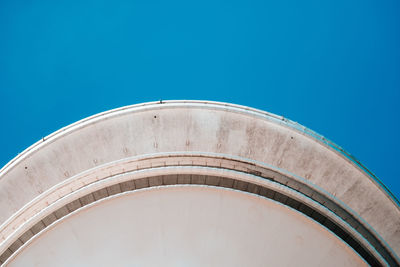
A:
{"x":333,"y":66}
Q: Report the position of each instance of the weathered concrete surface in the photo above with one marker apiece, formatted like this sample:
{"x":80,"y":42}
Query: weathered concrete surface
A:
{"x":198,"y":127}
{"x":187,"y":226}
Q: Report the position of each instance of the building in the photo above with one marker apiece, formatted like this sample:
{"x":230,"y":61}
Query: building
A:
{"x":193,"y":183}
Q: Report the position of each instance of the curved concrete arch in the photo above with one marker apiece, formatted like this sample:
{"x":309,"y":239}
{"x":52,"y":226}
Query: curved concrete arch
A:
{"x":186,"y":134}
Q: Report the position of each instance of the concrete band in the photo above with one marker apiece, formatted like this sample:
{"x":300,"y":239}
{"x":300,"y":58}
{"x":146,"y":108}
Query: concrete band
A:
{"x":236,"y":137}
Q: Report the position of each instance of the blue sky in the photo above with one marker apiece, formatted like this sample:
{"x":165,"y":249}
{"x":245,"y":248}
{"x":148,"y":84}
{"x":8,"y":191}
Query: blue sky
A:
{"x":333,"y":66}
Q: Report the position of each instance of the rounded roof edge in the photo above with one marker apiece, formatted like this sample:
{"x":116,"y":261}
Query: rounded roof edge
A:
{"x":272,"y":117}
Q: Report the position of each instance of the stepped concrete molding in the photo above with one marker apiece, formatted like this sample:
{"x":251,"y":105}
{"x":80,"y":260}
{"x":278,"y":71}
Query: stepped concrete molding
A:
{"x":193,"y":183}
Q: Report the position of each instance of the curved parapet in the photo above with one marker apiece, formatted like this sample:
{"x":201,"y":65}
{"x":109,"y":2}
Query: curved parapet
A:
{"x":193,"y":144}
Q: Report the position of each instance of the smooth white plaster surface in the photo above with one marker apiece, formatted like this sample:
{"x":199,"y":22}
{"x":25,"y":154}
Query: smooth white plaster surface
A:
{"x":186,"y":226}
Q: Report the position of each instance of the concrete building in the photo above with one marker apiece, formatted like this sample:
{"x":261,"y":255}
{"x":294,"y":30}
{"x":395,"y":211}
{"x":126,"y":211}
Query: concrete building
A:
{"x":193,"y":183}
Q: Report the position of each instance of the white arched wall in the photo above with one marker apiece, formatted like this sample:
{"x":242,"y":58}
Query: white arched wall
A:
{"x":189,"y":133}
{"x":186,"y":226}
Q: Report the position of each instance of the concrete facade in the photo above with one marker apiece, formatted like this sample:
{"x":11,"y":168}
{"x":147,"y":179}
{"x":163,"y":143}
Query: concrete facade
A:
{"x":201,"y":144}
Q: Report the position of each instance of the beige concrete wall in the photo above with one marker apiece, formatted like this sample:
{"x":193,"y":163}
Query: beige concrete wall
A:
{"x":186,"y":226}
{"x":198,"y":127}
